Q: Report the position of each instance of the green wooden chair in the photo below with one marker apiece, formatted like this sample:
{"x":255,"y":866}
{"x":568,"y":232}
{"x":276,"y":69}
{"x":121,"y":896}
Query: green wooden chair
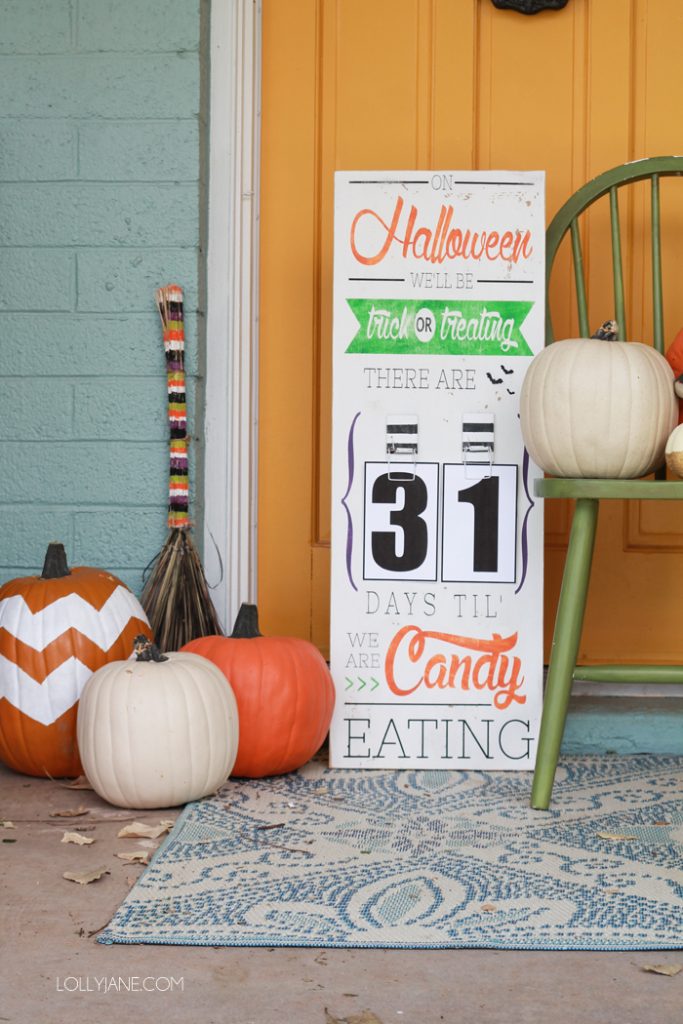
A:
{"x":588,"y":493}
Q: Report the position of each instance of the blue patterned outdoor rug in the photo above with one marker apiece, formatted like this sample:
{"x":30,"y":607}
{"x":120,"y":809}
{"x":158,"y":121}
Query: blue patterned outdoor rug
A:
{"x":338,"y":858}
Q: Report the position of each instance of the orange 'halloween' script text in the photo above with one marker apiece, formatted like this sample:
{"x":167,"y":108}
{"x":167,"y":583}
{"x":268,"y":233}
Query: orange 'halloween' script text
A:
{"x":440,"y":242}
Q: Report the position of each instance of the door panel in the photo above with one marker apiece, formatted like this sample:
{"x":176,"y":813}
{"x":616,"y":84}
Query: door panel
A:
{"x":354,"y":85}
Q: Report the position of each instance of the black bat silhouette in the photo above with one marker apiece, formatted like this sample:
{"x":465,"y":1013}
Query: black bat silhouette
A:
{"x":494,"y":380}
{"x":505,"y":369}
{"x":509,"y":392}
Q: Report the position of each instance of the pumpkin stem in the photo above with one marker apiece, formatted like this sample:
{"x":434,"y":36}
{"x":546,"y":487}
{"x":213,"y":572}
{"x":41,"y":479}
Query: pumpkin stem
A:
{"x":55,"y":565}
{"x":246,"y":623}
{"x":609,"y":331}
{"x":145,"y":650}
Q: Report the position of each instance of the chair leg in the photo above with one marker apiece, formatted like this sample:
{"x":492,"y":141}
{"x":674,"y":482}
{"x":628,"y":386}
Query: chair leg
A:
{"x":566,"y":639}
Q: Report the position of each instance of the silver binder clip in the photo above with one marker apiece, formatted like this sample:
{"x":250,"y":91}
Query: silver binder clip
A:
{"x":478,"y":438}
{"x":401,"y":446}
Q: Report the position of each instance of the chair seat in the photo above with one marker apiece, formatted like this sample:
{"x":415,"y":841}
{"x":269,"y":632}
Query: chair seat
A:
{"x":578,"y":487}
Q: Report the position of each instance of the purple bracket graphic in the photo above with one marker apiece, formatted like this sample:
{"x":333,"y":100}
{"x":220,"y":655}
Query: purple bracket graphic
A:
{"x":525,"y":545}
{"x":349,"y":530}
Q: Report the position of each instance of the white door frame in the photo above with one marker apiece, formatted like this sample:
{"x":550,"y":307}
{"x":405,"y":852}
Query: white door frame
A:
{"x":231,"y":382}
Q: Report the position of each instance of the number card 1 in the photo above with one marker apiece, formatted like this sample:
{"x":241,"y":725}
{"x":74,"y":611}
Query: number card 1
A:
{"x":437,"y":540}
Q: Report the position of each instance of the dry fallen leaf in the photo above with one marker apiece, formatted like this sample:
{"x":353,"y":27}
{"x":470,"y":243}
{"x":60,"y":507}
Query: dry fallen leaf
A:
{"x":96,"y":931}
{"x":77,"y":838}
{"x":76,"y":812}
{"x":139,"y":856}
{"x":116,"y":816}
{"x":80,"y":783}
{"x":138,"y":830}
{"x":8,"y":824}
{"x":668,"y":969}
{"x":614,"y":836}
{"x":364,"y":1017}
{"x":85,"y":877}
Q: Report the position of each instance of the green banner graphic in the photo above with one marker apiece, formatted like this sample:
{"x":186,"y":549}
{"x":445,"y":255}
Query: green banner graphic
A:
{"x":439,"y":327}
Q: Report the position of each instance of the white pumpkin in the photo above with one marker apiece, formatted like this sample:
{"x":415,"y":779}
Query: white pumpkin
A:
{"x":674,"y":451}
{"x":157,"y":733}
{"x":594,"y":408}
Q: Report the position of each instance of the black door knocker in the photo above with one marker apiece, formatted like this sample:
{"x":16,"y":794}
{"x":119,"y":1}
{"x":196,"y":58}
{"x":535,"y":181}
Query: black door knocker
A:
{"x":529,"y":6}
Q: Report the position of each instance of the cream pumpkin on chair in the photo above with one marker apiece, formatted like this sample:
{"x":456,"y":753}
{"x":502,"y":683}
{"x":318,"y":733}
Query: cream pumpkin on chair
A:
{"x":595,"y":408}
{"x":674,"y":451}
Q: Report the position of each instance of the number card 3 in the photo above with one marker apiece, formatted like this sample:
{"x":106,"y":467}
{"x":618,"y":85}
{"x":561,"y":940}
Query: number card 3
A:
{"x":479,"y":523}
{"x":401,"y":522}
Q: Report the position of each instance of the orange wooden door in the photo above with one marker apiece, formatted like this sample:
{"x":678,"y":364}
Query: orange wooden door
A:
{"x":451,"y":84}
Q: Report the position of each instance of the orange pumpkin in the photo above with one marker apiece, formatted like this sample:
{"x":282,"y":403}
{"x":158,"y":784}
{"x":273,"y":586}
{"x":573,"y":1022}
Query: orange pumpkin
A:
{"x":55,"y":631}
{"x":284,"y":694}
{"x":674,"y":357}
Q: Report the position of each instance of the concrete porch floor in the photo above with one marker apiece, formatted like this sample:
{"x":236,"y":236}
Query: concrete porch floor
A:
{"x":50,"y":957}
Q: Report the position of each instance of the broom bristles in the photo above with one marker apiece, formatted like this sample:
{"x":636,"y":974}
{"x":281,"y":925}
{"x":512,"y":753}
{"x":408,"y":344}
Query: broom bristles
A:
{"x":176,"y":595}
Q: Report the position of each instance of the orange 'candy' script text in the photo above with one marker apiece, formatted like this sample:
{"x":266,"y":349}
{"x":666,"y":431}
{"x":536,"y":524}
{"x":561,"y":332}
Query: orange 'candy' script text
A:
{"x":489,"y":669}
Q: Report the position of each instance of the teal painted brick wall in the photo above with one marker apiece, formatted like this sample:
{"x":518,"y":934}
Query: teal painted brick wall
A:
{"x":100,"y":204}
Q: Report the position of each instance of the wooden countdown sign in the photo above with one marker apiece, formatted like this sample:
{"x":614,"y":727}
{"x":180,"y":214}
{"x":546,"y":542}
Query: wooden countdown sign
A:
{"x":437,"y":540}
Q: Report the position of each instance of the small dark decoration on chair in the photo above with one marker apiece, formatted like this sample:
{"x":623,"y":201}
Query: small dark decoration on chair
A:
{"x":529,"y":6}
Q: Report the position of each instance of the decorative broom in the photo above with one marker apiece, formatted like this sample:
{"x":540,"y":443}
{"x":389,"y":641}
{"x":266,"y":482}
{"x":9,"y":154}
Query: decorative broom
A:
{"x":176,"y":596}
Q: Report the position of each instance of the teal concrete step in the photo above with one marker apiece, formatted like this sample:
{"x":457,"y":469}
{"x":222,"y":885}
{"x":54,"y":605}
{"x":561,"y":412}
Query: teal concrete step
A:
{"x":624,"y":725}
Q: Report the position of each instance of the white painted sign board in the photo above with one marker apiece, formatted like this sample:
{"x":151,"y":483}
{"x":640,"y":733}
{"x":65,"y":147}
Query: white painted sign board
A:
{"x":437,"y":540}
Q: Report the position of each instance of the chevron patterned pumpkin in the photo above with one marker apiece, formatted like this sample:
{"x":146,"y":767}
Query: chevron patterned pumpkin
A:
{"x":55,"y":631}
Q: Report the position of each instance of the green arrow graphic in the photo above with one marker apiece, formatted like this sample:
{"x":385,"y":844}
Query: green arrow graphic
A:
{"x":439,"y":327}
{"x":350,"y":683}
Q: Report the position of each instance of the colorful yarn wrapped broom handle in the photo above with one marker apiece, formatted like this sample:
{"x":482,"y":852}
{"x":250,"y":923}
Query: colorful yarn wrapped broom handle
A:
{"x":170,"y":304}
